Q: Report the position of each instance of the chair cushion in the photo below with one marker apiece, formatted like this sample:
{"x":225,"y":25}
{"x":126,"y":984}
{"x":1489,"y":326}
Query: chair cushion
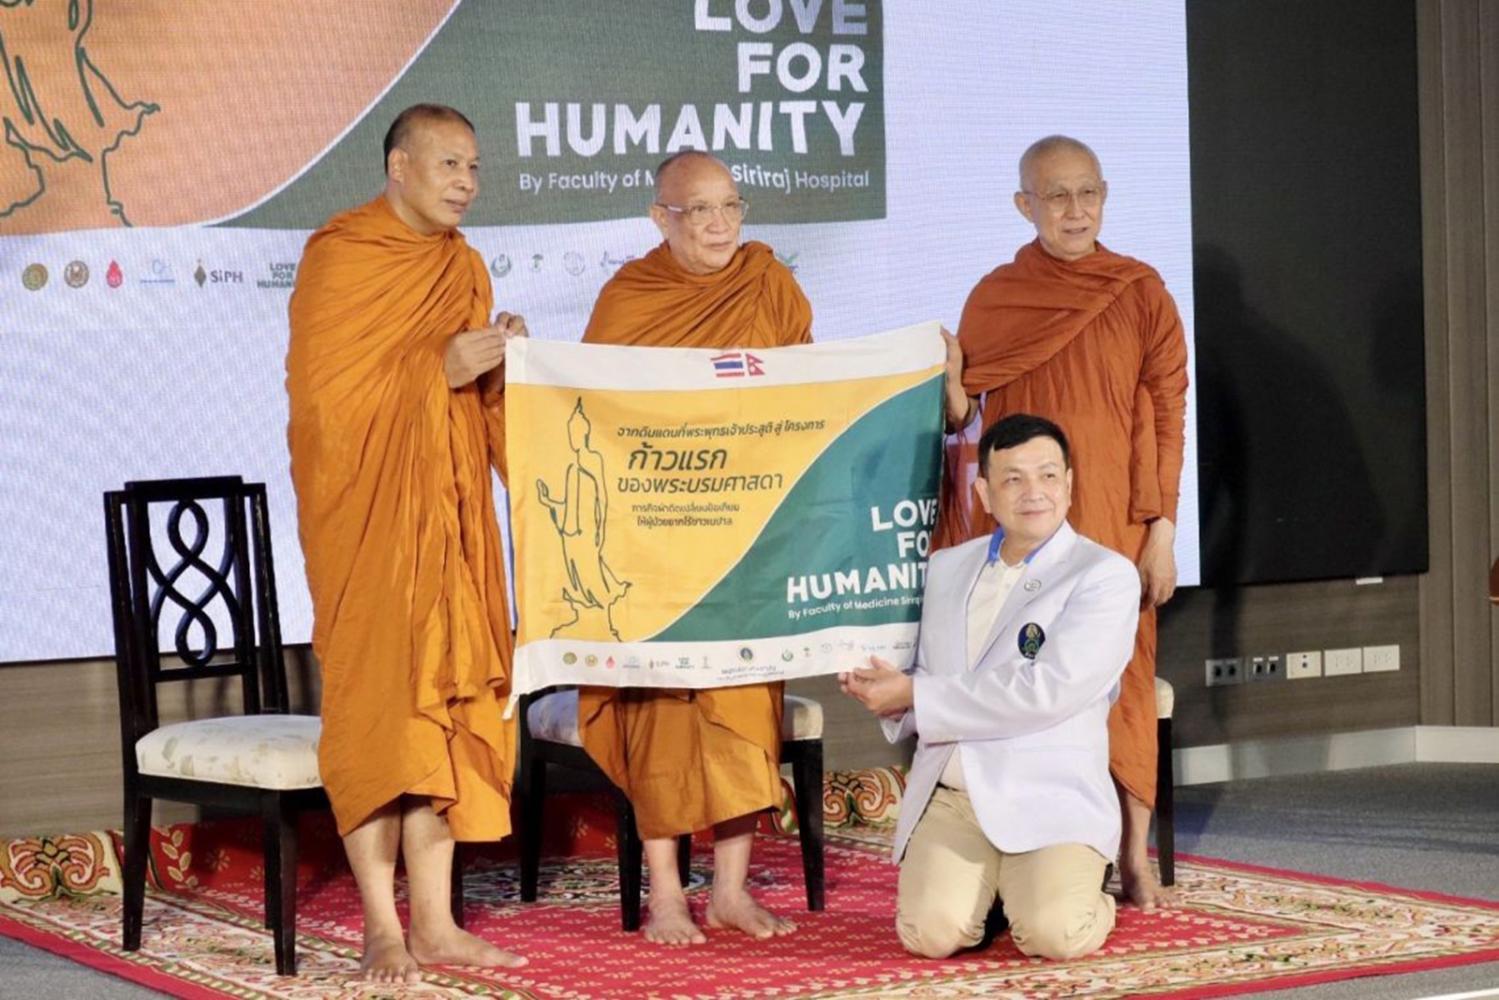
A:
{"x":257,"y":751}
{"x":1165,"y":698}
{"x":554,"y":718}
{"x":802,"y":719}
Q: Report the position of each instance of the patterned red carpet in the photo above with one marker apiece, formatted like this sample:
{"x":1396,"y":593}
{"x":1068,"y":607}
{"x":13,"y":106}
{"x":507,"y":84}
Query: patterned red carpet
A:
{"x":1239,"y":929}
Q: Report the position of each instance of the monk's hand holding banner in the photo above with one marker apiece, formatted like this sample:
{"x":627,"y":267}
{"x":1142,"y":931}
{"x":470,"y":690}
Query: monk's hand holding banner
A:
{"x":691,"y":518}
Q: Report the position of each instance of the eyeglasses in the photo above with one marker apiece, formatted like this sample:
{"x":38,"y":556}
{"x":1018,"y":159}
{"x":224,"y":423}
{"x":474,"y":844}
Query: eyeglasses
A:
{"x":1088,"y":197}
{"x":700,"y":215}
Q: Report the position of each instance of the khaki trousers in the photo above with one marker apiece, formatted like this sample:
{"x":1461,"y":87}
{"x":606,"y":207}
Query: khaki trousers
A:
{"x":951,"y":875}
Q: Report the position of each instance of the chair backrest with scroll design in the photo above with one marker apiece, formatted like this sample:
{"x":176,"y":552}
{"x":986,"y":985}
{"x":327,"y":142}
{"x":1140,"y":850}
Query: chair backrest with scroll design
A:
{"x":192,"y":557}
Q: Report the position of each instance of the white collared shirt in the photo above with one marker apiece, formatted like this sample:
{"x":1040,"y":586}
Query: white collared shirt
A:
{"x":990,"y":590}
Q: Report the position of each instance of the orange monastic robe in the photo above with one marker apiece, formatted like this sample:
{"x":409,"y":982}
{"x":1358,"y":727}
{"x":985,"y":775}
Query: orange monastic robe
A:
{"x":1097,"y":346}
{"x":404,"y":560}
{"x":690,"y":759}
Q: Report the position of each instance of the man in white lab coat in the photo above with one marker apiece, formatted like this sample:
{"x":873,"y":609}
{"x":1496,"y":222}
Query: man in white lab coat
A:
{"x":1024,"y":636}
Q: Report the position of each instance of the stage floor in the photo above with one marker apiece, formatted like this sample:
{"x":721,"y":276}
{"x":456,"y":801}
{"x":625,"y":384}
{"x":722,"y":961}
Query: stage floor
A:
{"x":1431,"y":824}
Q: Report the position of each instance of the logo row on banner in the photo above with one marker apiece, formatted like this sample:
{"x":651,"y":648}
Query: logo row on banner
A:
{"x":156,"y":272}
{"x":160,"y":272}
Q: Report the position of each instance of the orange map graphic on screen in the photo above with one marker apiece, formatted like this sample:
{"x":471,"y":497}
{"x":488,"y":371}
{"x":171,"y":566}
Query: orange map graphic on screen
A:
{"x":160,"y":113}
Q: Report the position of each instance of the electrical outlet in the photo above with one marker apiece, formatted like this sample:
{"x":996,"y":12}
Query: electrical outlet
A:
{"x":1265,"y":668}
{"x":1381,"y":658}
{"x":1227,"y":670}
{"x":1343,"y":661}
{"x":1300,"y":666}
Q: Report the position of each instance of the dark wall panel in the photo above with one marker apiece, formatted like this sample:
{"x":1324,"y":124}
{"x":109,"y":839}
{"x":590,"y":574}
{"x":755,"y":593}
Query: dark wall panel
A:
{"x":1307,"y":243}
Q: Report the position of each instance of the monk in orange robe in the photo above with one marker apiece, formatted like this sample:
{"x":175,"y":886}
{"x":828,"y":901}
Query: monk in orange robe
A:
{"x":1091,"y":340}
{"x":689,"y":760}
{"x":393,"y":377}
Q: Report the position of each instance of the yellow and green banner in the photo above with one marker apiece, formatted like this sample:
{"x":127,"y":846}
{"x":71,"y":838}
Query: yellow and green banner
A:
{"x":699,"y":518}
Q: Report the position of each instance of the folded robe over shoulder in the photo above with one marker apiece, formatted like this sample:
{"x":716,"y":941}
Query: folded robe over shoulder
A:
{"x":691,"y":759}
{"x":403,"y":553}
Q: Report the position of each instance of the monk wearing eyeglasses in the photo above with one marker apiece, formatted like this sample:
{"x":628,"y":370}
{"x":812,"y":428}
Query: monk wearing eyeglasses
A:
{"x":690,"y":760}
{"x":1090,"y":339}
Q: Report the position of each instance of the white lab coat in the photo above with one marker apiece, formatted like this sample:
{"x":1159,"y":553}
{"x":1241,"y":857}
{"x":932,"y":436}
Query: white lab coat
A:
{"x":1034,"y":733}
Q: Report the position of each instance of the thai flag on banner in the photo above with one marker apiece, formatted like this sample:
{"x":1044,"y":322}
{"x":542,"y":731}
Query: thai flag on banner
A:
{"x":737,"y":364}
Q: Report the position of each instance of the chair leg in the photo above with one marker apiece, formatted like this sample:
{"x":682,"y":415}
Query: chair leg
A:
{"x":806,"y":775}
{"x":630,"y":853}
{"x":684,"y":859}
{"x":455,"y":885}
{"x":281,"y":879}
{"x":533,"y":786}
{"x":137,"y":849}
{"x":269,"y":832}
{"x":1165,"y":804}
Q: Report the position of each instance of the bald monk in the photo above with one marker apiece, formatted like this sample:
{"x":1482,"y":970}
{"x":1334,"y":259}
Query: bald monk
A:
{"x":393,"y":376}
{"x":1091,"y":340}
{"x":690,"y":760}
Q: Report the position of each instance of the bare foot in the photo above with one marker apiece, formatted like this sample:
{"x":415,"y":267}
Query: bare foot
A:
{"x":386,"y":960}
{"x":452,"y":945}
{"x":741,"y":912}
{"x":1142,"y":888}
{"x":669,"y":922}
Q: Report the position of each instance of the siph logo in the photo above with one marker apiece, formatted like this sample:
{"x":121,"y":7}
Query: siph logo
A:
{"x":75,"y":274}
{"x":222,"y":277}
{"x":114,"y":277}
{"x":737,"y":364}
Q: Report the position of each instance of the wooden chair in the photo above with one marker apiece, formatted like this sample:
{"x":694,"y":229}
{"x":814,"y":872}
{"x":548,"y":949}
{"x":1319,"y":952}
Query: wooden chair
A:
{"x":1165,"y":794}
{"x":210,"y":583}
{"x":549,"y":738}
